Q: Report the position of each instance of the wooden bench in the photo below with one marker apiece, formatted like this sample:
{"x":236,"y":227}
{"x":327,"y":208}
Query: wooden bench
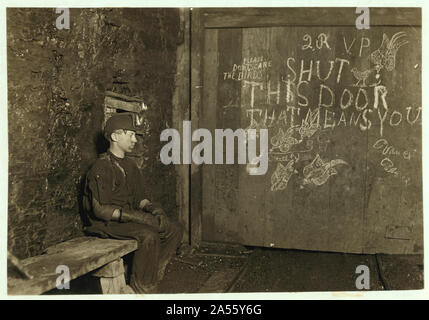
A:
{"x":100,"y":257}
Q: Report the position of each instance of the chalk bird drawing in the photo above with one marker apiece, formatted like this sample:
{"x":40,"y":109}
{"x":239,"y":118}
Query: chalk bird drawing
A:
{"x":361,"y":76}
{"x":281,"y":176}
{"x":318,"y":171}
{"x":385,"y":56}
{"x":284,"y":140}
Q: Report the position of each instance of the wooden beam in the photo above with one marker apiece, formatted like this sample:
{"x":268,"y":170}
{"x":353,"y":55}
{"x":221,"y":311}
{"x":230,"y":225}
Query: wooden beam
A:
{"x":110,"y":270}
{"x":181,"y":111}
{"x":112,"y":278}
{"x":311,"y":16}
{"x":115,"y":103}
{"x":196,"y":94}
{"x":81,"y":255}
{"x":122,"y":96}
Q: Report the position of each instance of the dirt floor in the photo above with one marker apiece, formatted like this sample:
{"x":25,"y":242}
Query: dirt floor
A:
{"x":219,"y":268}
{"x":228,"y":268}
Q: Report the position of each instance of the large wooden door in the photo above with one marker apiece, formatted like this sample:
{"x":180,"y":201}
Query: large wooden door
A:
{"x":343,"y":111}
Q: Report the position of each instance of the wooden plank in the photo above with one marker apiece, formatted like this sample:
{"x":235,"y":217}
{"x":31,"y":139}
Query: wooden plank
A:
{"x":197,"y":41}
{"x":226,"y":109}
{"x":111,"y":270}
{"x":123,"y":97}
{"x":181,"y":112}
{"x":252,"y":216}
{"x":112,"y":278}
{"x":278,"y":205}
{"x":283,"y":16}
{"x":207,"y":116}
{"x":80,"y":255}
{"x":345,"y":214}
{"x":115,"y":285}
{"x":115,"y":103}
{"x":394,"y":210}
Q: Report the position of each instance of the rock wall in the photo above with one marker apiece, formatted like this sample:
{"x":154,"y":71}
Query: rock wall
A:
{"x":56,"y":85}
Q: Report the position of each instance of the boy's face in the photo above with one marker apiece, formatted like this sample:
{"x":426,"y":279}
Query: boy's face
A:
{"x":125,"y":139}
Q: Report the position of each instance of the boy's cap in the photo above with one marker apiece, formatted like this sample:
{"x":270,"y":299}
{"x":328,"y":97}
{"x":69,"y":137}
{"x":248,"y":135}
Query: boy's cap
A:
{"x":119,"y":121}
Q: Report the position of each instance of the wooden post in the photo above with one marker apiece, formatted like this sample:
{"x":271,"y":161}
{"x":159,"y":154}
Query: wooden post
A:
{"x":112,"y":278}
{"x":196,"y":112}
{"x":181,"y":112}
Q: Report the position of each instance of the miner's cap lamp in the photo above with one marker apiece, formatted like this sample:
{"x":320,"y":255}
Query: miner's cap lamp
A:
{"x":123,"y":121}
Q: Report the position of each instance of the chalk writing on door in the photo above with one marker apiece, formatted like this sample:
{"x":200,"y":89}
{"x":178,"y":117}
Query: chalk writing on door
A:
{"x":308,"y":98}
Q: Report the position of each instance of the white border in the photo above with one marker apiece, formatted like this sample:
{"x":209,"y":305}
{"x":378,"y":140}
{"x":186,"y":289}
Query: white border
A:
{"x":413,"y":294}
{"x":4,"y":155}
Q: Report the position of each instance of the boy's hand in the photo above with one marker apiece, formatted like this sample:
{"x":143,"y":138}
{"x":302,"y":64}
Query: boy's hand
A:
{"x":140,"y":217}
{"x":145,"y":204}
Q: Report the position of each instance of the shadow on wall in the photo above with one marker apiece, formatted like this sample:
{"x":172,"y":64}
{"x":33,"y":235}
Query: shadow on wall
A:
{"x":101,"y":145}
{"x":81,"y":187}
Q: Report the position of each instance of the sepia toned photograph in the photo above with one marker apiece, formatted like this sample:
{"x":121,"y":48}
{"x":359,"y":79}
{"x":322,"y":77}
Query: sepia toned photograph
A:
{"x":214,"y":150}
